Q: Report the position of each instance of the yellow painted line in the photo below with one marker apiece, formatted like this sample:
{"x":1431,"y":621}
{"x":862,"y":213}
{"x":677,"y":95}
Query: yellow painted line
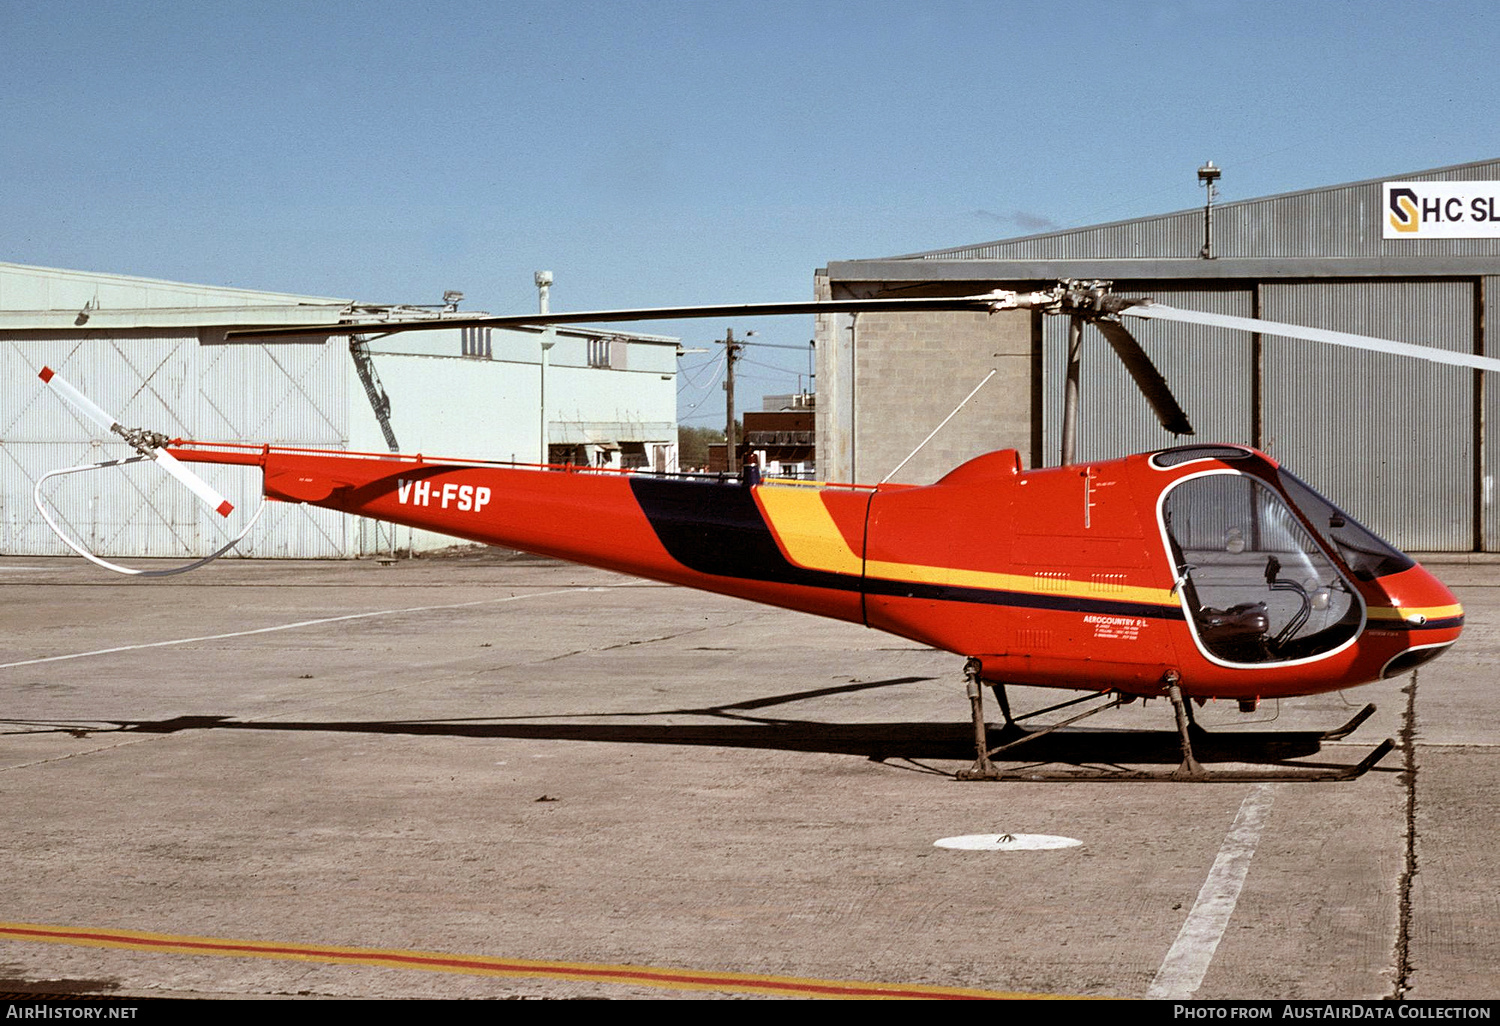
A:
{"x":484,"y":965}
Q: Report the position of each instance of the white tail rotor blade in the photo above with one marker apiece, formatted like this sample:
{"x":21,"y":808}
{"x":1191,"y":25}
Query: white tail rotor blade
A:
{"x":200,"y":487}
{"x":1431,"y":354}
{"x":78,"y":399}
{"x":164,"y":459}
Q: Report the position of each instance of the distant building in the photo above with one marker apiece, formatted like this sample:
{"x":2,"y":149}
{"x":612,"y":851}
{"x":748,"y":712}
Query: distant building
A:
{"x":780,"y":441}
{"x":1405,"y":446}
{"x":153,"y":353}
{"x":789,"y":401}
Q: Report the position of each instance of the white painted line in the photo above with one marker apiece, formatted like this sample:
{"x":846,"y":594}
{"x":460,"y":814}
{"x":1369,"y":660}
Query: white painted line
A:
{"x":293,"y":626}
{"x":1182,"y":971}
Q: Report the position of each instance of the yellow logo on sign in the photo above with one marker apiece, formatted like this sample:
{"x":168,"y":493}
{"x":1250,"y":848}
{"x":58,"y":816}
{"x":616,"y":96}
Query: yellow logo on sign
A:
{"x":1404,"y":215}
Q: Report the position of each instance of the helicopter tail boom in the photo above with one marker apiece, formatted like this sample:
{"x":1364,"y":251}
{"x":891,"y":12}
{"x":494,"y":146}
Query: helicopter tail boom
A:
{"x":699,"y":532}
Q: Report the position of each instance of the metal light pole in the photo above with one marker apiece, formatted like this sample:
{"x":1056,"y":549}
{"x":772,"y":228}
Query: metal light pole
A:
{"x":1207,"y":176}
{"x":543,"y":281}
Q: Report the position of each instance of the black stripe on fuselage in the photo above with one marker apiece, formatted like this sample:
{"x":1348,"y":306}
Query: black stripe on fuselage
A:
{"x":1446,"y":623}
{"x":716,"y":528}
{"x":1019,"y":599}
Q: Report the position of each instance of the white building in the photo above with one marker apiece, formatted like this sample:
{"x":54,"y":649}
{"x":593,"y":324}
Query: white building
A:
{"x":153,"y":354}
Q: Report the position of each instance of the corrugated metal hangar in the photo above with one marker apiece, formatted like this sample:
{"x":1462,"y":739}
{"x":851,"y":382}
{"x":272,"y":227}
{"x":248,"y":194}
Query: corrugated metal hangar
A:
{"x":153,"y":354}
{"x":1410,"y":448}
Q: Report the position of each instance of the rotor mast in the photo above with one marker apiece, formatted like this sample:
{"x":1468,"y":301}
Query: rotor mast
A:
{"x":1070,"y":390}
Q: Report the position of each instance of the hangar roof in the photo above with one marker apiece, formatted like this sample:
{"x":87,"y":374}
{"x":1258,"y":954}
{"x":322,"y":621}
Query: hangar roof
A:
{"x":51,"y":298}
{"x":1330,"y":231}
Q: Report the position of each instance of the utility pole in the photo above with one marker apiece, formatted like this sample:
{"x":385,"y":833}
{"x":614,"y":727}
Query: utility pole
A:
{"x":731,"y":353}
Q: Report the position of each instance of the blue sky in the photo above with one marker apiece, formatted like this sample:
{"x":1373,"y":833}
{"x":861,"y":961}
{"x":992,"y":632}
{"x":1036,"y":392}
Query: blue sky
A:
{"x":676,"y":152}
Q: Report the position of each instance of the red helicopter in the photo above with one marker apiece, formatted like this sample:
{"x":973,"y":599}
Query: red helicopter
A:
{"x":1192,"y":573}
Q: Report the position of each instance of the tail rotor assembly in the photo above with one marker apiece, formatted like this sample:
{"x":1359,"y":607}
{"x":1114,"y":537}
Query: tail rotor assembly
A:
{"x":150,"y":446}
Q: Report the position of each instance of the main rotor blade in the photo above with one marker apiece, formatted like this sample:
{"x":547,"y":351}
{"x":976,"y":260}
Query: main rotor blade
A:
{"x":1146,"y":377}
{"x":164,"y":459}
{"x":989,"y":301}
{"x":1431,"y":354}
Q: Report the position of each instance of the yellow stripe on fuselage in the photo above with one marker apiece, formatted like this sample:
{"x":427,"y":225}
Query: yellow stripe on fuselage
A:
{"x":1406,"y":612}
{"x":806,"y":530}
{"x":1028,"y":583}
{"x":811,"y":540}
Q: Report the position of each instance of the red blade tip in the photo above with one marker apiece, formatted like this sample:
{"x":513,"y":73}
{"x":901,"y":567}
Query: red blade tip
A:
{"x":224,"y":508}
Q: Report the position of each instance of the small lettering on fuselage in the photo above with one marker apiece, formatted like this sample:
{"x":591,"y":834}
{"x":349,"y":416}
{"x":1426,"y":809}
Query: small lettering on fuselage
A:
{"x":1122,"y":628}
{"x":464,"y":498}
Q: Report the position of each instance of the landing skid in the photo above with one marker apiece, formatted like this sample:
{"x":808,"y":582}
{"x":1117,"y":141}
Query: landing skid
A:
{"x":1190,"y":769}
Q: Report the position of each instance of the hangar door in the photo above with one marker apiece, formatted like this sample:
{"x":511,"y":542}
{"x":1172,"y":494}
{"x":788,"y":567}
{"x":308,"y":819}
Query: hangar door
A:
{"x":290,"y":394}
{"x":1389,"y":439}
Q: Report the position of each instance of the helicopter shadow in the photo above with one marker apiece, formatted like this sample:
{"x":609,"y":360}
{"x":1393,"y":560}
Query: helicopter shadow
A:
{"x":745,"y":725}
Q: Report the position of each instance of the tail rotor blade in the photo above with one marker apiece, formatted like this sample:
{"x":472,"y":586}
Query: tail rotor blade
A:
{"x":79,"y":401}
{"x":164,"y":459}
{"x":200,"y":487}
{"x":1146,"y":377}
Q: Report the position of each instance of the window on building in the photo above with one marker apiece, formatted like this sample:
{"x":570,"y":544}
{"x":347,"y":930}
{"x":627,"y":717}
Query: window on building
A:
{"x":567,"y":455}
{"x":607,"y":352}
{"x":633,"y":456}
{"x":476,"y":342}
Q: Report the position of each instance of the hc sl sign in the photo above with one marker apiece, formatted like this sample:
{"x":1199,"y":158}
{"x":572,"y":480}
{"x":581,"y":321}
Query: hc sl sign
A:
{"x":1441,"y":210}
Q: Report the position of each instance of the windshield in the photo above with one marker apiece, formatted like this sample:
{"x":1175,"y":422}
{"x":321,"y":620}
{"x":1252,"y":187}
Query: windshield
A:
{"x":1258,"y":587}
{"x":1362,"y":552}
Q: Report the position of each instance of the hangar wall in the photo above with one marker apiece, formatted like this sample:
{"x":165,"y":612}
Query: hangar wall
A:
{"x":489,"y":407}
{"x":153,"y":354}
{"x":1392,"y":440}
{"x":910,"y":372}
{"x":167,"y":381}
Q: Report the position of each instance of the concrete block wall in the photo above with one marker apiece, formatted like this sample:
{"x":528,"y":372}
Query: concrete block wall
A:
{"x":911,"y":370}
{"x":896,"y":376}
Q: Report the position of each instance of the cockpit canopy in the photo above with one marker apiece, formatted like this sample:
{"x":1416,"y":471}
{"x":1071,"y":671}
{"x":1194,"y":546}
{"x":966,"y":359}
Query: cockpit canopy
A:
{"x":1258,"y":587}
